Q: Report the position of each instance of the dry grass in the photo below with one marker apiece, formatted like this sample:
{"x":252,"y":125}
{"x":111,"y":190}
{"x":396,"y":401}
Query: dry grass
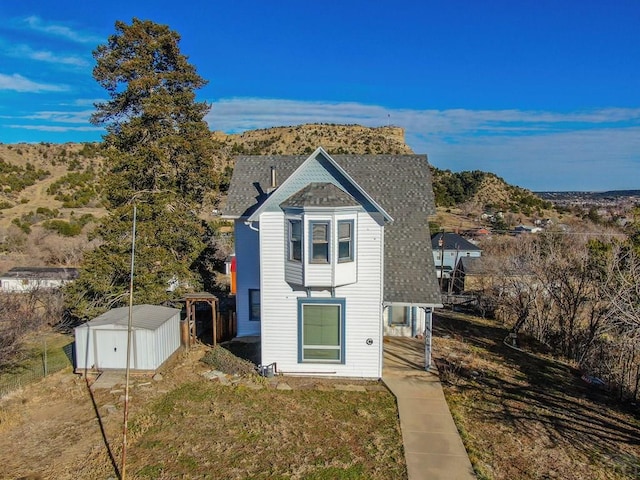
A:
{"x":184,"y":426}
{"x":527,"y":416}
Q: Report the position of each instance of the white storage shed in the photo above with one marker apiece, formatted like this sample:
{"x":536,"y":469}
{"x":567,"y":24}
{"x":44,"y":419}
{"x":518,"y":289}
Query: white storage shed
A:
{"x":102,"y":342}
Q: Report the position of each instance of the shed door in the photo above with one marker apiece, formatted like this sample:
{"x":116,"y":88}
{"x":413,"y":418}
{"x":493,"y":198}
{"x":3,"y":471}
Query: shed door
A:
{"x":111,"y":348}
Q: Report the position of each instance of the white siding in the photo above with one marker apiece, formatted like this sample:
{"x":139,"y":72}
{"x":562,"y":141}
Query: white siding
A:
{"x":451,"y":257}
{"x":363,"y":304}
{"x":247,"y":276}
{"x":18,"y":285}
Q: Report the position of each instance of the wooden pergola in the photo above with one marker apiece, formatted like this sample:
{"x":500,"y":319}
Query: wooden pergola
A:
{"x":190,"y":300}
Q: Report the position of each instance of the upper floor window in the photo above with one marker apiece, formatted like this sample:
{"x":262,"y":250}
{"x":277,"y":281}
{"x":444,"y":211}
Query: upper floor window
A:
{"x":295,"y":240}
{"x":345,"y":240}
{"x":319,"y":242}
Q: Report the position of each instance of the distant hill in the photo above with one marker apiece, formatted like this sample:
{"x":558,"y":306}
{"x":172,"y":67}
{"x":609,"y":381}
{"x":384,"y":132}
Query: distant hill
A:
{"x":610,"y":194}
{"x":50,"y":193}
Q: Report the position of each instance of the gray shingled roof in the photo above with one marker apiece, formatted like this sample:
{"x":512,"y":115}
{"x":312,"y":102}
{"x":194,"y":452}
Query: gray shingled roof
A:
{"x":452,"y":241}
{"x":400,"y":184}
{"x":42,"y":273}
{"x":319,"y":194}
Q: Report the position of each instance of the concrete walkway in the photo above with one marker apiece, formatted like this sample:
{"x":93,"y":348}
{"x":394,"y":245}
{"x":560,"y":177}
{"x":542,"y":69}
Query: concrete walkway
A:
{"x":432,"y":446}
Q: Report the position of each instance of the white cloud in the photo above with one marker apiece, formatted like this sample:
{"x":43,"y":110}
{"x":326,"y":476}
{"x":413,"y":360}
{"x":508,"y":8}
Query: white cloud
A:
{"x":18,"y":83}
{"x":586,"y":150}
{"x":36,"y":23}
{"x":61,"y":116}
{"x":56,"y":128}
{"x":25,"y":51}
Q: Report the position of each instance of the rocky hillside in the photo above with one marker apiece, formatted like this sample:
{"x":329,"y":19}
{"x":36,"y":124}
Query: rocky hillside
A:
{"x":50,"y":193}
{"x":306,"y":138}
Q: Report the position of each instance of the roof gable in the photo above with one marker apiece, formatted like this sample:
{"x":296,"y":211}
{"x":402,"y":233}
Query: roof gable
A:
{"x":319,"y":167}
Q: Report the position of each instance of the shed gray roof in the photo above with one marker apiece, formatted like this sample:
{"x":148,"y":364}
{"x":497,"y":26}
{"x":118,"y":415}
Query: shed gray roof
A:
{"x":147,"y":317}
{"x":400,"y":184}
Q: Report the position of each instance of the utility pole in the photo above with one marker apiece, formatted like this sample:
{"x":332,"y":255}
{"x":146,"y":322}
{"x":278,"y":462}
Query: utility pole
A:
{"x":441,"y":245}
{"x":123,"y":472}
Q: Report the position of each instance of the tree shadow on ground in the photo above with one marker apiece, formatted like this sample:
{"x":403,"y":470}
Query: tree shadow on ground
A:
{"x":541,"y":393}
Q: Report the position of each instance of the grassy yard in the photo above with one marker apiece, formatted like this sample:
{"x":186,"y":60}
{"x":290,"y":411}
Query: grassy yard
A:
{"x":185,"y":426}
{"x":205,"y":430}
{"x":526,"y":415}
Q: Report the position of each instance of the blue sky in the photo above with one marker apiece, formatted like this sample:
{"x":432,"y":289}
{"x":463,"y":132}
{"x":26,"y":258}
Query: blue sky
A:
{"x":545,"y":94}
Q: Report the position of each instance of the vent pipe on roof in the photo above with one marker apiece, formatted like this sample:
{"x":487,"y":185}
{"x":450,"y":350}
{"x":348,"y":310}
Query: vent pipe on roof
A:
{"x":274,"y":184}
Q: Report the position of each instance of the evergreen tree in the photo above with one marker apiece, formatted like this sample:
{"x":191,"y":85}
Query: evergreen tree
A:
{"x":157,"y":155}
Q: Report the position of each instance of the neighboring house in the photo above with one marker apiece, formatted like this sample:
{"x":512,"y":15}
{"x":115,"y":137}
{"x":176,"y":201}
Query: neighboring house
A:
{"x":332,"y":253}
{"x":448,"y":248}
{"x":28,"y":279}
{"x":102,"y":342}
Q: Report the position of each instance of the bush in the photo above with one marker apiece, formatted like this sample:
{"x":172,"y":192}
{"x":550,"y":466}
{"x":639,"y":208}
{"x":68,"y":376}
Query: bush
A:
{"x":64,"y":228}
{"x":24,"y":226}
{"x":222,"y":359}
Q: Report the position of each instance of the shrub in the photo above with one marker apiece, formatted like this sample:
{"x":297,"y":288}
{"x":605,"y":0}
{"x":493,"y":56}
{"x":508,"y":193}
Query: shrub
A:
{"x":64,"y":228}
{"x":222,"y":359}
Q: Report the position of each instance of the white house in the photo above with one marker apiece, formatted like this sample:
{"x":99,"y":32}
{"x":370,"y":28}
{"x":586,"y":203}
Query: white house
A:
{"x":28,"y":279}
{"x":102,"y":342}
{"x":448,"y":248}
{"x":332,"y":253}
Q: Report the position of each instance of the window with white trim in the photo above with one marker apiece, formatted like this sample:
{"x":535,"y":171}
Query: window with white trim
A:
{"x":295,"y":240}
{"x":345,"y":240}
{"x":319,"y":242}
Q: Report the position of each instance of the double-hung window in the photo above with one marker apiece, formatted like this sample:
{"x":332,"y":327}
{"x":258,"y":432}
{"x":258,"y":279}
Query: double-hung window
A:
{"x":295,"y":240}
{"x":319,"y":242}
{"x":345,"y":240}
{"x":321,"y":330}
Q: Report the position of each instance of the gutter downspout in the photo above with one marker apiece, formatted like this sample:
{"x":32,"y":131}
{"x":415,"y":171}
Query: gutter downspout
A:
{"x":249,"y":224}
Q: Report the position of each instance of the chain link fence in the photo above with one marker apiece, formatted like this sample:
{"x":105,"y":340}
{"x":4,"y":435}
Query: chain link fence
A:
{"x":51,"y":360}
